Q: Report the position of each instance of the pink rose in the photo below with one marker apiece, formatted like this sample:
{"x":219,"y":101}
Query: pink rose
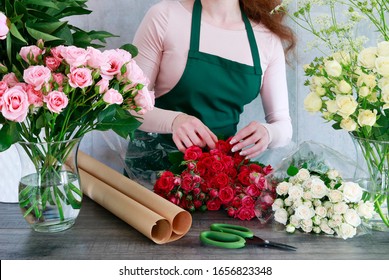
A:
{"x":145,"y":99}
{"x":96,"y":58}
{"x":102,"y":85}
{"x":30,"y":53}
{"x":3,"y":26}
{"x":10,"y":79}
{"x":112,"y":96}
{"x":3,"y":88}
{"x":35,"y":97}
{"x":56,"y":101}
{"x":37,"y":76}
{"x":135,"y":75}
{"x":75,"y":56}
{"x":56,"y":52}
{"x":59,"y":79}
{"x":80,"y":77}
{"x":52,"y":63}
{"x":113,"y":64}
{"x":15,"y":104}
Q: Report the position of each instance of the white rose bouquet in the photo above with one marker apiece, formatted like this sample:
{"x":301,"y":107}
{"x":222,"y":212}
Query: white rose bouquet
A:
{"x":320,"y":203}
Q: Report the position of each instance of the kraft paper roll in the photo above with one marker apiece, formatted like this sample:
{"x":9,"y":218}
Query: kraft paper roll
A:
{"x":149,"y":213}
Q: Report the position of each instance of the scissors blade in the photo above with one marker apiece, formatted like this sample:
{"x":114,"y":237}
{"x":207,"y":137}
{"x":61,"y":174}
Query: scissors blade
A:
{"x":269,"y":244}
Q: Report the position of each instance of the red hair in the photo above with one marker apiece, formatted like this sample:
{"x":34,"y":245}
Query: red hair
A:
{"x":260,"y":11}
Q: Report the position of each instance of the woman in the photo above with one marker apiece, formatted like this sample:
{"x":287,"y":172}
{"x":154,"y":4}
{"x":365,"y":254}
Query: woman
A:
{"x":206,"y":60}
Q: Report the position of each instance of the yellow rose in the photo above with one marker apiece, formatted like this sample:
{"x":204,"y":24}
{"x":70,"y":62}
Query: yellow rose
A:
{"x":348,"y":124}
{"x":364,"y":91}
{"x":333,"y":68}
{"x":367,"y":117}
{"x":331,"y":105}
{"x":366,"y":80}
{"x":382,"y":65}
{"x":347,"y":105}
{"x":318,"y":80}
{"x":312,"y":102}
{"x":385,"y":94}
{"x":372,"y":97}
{"x":343,"y":87}
{"x":342,"y":57}
{"x":367,"y":57}
{"x":319,"y":90}
{"x":383,"y":48}
{"x":384,"y":81}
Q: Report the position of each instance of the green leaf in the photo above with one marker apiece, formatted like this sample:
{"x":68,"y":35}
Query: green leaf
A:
{"x":36,"y":34}
{"x":131,"y":49}
{"x":43,"y":3}
{"x":8,"y":135}
{"x":72,"y":11}
{"x":47,"y":27}
{"x":15,"y":32}
{"x":292,"y":170}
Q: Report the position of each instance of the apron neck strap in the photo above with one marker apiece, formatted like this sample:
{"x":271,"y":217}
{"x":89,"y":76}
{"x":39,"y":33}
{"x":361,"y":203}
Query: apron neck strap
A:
{"x":195,"y":34}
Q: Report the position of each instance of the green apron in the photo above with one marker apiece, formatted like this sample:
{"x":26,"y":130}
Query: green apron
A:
{"x":212,"y":88}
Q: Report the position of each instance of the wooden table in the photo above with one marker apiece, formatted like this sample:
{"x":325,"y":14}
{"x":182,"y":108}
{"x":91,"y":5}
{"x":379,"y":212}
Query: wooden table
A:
{"x":99,"y":235}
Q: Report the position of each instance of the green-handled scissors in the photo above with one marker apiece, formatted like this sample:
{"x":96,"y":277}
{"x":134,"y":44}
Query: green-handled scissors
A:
{"x":234,"y":237}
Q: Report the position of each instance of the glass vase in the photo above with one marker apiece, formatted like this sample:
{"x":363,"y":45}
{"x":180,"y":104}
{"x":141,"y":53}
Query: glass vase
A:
{"x":375,"y":155}
{"x":49,"y":188}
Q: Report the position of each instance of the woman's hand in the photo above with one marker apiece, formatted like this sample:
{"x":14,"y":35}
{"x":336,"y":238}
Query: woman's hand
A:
{"x":189,"y":131}
{"x":254,"y":135}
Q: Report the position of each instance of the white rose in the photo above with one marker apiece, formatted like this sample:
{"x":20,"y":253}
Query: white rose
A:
{"x":318,"y":188}
{"x":384,"y":81}
{"x":366,"y":80}
{"x":352,"y":192}
{"x":312,"y":102}
{"x":288,"y":201}
{"x":333,"y":68}
{"x":347,"y":105}
{"x":317,"y":202}
{"x":364,"y":91}
{"x":321,"y":211}
{"x":303,"y":175}
{"x":316,"y":229}
{"x":335,"y":221}
{"x":294,"y":220}
{"x":306,"y":225}
{"x":367,"y":57}
{"x":307,"y":195}
{"x":342,"y":57}
{"x":318,"y":81}
{"x":367,"y":117}
{"x":304,"y":212}
{"x":383,"y":48}
{"x":333,"y":174}
{"x":277,"y":204}
{"x":382,"y":65}
{"x":343,"y":87}
{"x":281,"y":216}
{"x":316,"y":220}
{"x":282,"y":188}
{"x":326,"y":228}
{"x":351,"y":216}
{"x":372,"y":97}
{"x":319,"y":91}
{"x":308,"y":203}
{"x":348,"y":124}
{"x":328,"y":204}
{"x":340,"y":207}
{"x":335,"y":196}
{"x":295,"y":192}
{"x":346,"y":231}
{"x":365,"y":209}
{"x":290,"y":228}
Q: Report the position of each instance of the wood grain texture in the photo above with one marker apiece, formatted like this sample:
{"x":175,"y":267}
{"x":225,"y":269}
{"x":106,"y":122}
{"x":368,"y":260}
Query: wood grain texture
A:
{"x":99,"y":235}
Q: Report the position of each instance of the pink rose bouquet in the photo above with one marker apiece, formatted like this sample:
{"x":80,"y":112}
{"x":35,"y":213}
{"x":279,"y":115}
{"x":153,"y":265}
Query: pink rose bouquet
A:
{"x":216,"y":179}
{"x":64,"y":93}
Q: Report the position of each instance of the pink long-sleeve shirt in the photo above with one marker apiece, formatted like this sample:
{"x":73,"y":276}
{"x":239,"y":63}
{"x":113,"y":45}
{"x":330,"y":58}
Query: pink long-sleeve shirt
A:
{"x":163,"y":41}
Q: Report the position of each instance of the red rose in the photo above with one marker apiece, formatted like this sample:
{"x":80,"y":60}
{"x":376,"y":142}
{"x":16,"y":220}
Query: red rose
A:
{"x":244,"y":177}
{"x":193,"y":153}
{"x":165,"y":183}
{"x":223,"y":146}
{"x":252,"y":190}
{"x":213,"y":204}
{"x":187,"y":183}
{"x":231,"y":211}
{"x":267,"y":169}
{"x":248,"y":201}
{"x":245,"y":213}
{"x":221,"y":180}
{"x":236,"y":202}
{"x":226,"y":194}
{"x":255,"y":168}
{"x":217,"y":166}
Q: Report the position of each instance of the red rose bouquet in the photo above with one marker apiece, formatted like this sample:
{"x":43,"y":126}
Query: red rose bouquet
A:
{"x":218,"y":178}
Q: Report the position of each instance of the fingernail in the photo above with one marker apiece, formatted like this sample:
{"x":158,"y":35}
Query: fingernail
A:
{"x":234,"y":149}
{"x":232,"y":142}
{"x":242,"y":153}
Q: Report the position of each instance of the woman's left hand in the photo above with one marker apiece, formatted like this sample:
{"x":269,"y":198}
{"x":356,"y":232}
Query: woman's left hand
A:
{"x":254,"y":135}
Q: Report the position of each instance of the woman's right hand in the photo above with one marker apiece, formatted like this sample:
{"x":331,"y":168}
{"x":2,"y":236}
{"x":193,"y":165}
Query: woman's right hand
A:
{"x":190,"y":131}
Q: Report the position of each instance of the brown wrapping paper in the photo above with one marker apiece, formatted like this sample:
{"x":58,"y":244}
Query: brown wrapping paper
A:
{"x":150,"y":214}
